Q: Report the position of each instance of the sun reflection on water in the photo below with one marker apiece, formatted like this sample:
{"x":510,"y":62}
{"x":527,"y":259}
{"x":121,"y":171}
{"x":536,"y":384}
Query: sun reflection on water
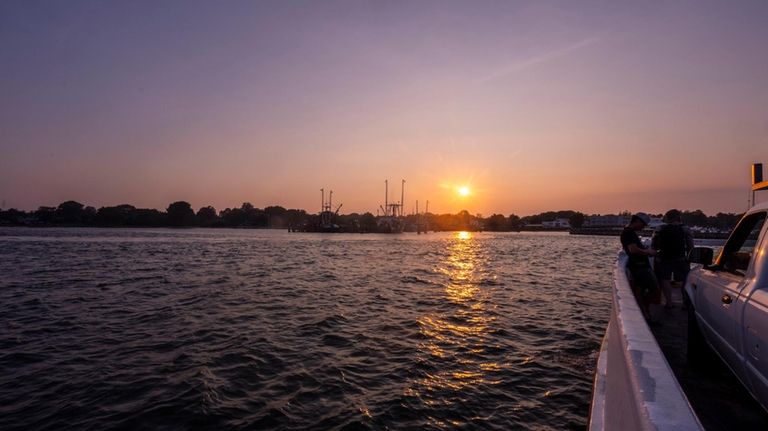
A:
{"x":458,"y":333}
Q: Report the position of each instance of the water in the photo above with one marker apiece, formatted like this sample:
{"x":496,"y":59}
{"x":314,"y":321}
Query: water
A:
{"x":253,"y":329}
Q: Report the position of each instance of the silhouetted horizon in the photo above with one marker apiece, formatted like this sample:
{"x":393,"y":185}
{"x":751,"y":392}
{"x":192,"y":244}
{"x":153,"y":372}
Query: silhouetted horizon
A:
{"x":181,"y":213}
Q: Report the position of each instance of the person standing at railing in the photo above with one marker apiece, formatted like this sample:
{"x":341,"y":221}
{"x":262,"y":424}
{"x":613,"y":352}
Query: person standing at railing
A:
{"x":672,"y":242}
{"x":643,"y":280}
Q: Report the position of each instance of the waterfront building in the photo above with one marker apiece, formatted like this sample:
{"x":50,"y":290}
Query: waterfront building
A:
{"x":557,"y":224}
{"x":610,"y":220}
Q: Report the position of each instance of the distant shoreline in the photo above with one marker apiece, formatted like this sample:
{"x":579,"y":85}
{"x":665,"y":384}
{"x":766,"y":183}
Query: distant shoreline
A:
{"x":579,"y":232}
{"x":647,"y":232}
{"x":180,"y":214}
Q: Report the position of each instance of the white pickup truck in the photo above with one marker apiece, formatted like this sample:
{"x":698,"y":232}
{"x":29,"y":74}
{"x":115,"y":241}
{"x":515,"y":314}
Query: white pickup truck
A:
{"x":728,"y":307}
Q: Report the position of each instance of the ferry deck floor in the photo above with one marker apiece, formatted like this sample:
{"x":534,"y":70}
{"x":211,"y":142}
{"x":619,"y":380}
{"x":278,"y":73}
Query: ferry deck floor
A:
{"x":716,"y":395}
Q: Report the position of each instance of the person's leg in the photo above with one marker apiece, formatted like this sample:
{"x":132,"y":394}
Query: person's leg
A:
{"x":637,"y":291}
{"x":666,"y":289}
{"x":681,"y":270}
{"x":648,"y":290}
{"x":664,"y":277}
{"x":653,"y":295}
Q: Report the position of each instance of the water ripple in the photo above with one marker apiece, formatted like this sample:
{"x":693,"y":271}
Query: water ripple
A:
{"x":248,"y":329}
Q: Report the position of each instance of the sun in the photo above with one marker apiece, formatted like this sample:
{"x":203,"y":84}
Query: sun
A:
{"x":463,"y":191}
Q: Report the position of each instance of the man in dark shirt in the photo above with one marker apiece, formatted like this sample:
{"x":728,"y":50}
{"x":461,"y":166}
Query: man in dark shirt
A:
{"x":644,"y":284}
{"x":672,"y":243}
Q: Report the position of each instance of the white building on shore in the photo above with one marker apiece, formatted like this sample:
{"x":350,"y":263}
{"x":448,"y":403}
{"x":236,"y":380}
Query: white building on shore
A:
{"x":607,"y":220}
{"x":557,"y":224}
{"x":612,"y":221}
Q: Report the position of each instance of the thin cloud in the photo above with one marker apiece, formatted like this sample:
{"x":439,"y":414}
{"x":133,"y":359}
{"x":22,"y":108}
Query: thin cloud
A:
{"x":539,"y":59}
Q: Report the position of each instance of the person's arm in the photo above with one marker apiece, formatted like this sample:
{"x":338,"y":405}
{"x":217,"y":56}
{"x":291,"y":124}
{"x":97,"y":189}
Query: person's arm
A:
{"x":688,"y":239}
{"x":655,"y":240}
{"x":634,"y":249}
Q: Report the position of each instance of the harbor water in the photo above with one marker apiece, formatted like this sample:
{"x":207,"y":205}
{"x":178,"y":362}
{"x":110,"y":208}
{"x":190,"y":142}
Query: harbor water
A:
{"x":260,"y":329}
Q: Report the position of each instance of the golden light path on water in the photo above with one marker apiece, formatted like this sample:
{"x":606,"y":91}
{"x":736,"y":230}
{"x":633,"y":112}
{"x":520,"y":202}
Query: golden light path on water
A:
{"x":457,"y":336}
{"x":252,"y":328}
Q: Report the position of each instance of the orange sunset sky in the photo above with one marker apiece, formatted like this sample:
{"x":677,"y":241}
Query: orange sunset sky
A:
{"x":593,"y":106}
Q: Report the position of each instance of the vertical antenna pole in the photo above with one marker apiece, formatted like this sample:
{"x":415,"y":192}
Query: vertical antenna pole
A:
{"x":402,"y":197}
{"x":322,"y":200}
{"x":757,"y":177}
{"x":330,"y":200}
{"x":386,"y":197}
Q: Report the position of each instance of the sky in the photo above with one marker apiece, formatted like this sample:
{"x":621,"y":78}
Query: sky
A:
{"x":595,"y":106}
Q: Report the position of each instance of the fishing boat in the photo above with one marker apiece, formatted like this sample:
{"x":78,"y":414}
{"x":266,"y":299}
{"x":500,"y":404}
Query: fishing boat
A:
{"x":391,"y":218}
{"x":324,"y":220}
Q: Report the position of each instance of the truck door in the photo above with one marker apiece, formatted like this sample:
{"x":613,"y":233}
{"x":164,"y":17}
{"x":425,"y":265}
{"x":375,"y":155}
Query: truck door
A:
{"x":720,"y":292}
{"x":755,"y":323}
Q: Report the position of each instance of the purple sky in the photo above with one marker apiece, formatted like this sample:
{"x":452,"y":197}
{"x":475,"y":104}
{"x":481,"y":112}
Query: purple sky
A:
{"x":593,"y":106}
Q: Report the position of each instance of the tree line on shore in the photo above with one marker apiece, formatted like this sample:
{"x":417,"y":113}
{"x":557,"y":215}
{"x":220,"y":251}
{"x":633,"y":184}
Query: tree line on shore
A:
{"x":181,"y":214}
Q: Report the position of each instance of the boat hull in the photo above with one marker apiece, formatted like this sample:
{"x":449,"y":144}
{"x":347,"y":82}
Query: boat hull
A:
{"x":634,"y":388}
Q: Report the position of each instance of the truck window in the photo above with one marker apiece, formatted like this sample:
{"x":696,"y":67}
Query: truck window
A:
{"x":738,"y":251}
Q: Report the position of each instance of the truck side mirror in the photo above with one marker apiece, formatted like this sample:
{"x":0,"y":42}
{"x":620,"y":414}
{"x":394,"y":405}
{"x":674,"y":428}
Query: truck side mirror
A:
{"x":702,"y":255}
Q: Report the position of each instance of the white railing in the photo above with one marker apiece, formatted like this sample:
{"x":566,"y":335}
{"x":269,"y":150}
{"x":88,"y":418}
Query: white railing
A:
{"x":635,"y":388}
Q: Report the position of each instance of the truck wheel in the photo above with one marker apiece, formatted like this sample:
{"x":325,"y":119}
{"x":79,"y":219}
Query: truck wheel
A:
{"x":699,"y":353}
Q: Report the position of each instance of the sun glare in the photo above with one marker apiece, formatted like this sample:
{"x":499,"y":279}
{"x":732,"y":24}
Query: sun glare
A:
{"x":463,"y":191}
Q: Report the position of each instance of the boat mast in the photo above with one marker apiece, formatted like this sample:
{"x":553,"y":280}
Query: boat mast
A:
{"x":402,"y":198}
{"x":386,"y":196}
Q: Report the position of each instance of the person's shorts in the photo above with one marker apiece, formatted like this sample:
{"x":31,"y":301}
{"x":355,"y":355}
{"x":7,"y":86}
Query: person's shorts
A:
{"x":644,"y":281}
{"x":666,"y":270}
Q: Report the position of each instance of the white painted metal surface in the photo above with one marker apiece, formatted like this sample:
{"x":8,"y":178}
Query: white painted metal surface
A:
{"x":635,"y":388}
